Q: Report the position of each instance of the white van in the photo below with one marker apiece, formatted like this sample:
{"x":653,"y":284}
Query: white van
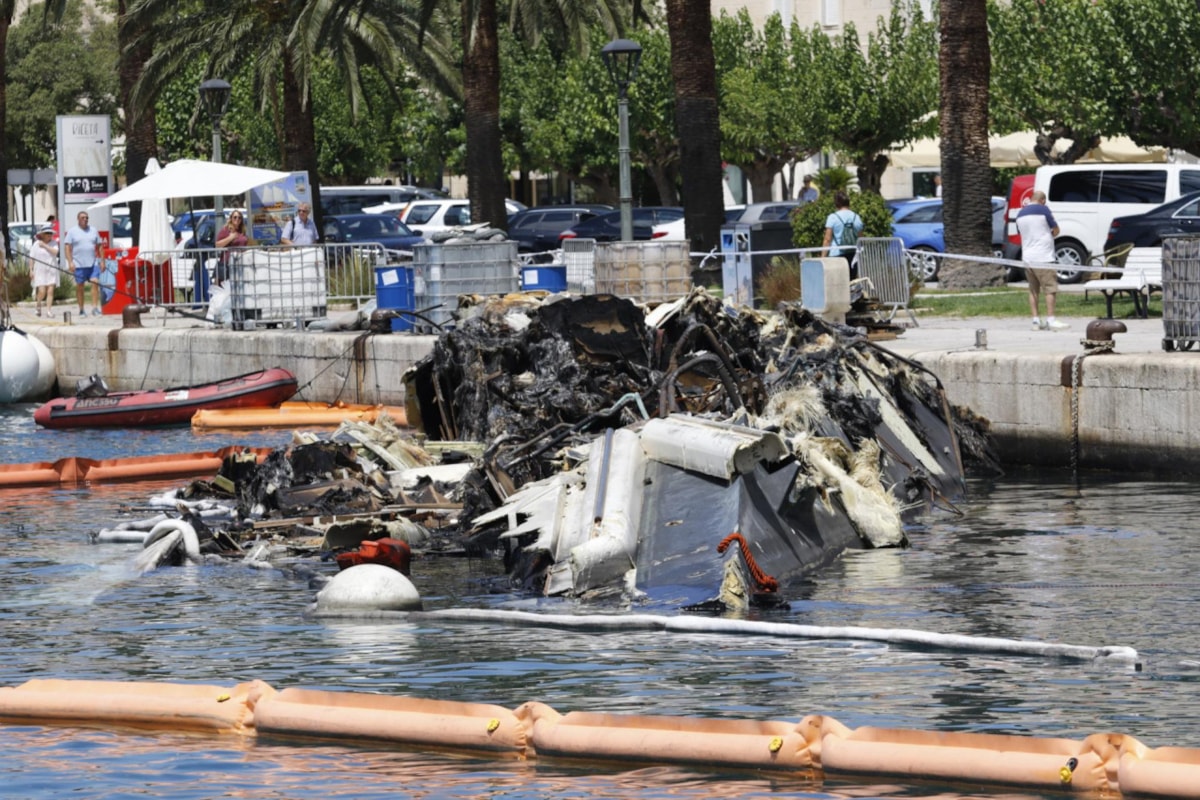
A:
{"x":1085,"y":198}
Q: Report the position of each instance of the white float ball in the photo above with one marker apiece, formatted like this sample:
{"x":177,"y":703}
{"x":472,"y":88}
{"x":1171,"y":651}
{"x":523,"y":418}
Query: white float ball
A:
{"x":18,"y":367}
{"x":369,"y":587}
{"x":47,"y":373}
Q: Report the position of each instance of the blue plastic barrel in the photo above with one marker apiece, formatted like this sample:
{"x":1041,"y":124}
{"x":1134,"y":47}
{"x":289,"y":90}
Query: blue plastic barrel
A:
{"x":394,"y":288}
{"x":547,"y":277}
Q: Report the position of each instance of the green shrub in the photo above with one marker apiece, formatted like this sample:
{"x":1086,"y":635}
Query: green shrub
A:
{"x":808,"y":222}
{"x":19,"y":286}
{"x":779,"y":282}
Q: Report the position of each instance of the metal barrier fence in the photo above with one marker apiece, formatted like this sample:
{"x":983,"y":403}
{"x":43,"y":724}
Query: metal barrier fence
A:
{"x":883,"y":262}
{"x":324,"y":274}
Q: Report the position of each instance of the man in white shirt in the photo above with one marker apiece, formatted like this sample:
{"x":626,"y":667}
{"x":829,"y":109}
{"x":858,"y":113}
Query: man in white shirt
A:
{"x":1038,"y":228}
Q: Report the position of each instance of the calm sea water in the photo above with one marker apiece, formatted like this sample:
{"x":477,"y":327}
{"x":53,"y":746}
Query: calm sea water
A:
{"x":1031,"y":556}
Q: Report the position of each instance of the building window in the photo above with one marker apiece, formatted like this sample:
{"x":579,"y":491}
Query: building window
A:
{"x":831,"y":13}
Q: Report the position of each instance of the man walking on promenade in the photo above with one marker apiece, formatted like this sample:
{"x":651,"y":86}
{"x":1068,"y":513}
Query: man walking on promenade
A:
{"x":82,"y":250}
{"x":1038,"y":228}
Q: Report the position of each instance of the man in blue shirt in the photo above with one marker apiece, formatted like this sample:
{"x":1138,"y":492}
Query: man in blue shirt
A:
{"x":301,"y":231}
{"x":82,"y":250}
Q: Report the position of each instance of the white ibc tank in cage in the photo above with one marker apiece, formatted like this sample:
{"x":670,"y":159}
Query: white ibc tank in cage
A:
{"x":442,"y":272}
{"x":649,"y":272}
{"x":278,"y":285}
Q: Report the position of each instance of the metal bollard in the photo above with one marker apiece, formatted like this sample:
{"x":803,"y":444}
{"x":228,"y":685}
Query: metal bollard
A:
{"x":981,"y":339}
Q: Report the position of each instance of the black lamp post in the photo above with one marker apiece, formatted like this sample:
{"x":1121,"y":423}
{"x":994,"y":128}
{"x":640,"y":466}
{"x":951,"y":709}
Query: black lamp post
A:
{"x":214,"y":93}
{"x":622,"y":57}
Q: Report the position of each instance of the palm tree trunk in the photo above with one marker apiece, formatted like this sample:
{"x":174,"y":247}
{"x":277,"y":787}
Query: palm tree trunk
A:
{"x":299,"y":137}
{"x":965,"y":69}
{"x":481,"y":101}
{"x":141,"y":130}
{"x":693,"y":67}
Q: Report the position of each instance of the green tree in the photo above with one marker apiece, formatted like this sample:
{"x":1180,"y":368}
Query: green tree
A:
{"x":283,"y":44}
{"x":966,"y":157}
{"x":53,"y":10}
{"x":82,"y":45}
{"x":1031,"y":43}
{"x":868,"y":101}
{"x":761,"y":121}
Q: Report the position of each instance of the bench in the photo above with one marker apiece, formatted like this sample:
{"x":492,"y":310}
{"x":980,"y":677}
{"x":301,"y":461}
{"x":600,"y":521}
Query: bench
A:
{"x":1142,"y":277}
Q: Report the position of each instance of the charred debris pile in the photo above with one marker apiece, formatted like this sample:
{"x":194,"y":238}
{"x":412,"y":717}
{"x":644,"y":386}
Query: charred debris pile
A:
{"x":688,"y":455}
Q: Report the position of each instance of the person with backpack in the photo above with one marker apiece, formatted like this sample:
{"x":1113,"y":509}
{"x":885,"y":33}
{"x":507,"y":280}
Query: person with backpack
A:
{"x":842,"y":229}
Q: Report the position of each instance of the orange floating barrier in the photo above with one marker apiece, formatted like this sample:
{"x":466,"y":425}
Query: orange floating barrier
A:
{"x":677,"y":740}
{"x":293,"y":415}
{"x":411,"y":720}
{"x":1102,"y":765}
{"x":173,"y":706}
{"x":75,"y":470}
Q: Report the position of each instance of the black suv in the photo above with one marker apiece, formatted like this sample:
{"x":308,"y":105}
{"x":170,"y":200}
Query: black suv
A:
{"x":536,"y":229}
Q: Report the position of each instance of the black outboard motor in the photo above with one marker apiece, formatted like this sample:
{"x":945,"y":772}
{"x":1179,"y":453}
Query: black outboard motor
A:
{"x":91,"y":386}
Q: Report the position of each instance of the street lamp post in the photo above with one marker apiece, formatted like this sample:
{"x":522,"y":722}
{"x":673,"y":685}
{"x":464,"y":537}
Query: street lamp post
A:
{"x":214,"y":93}
{"x":622,"y":56}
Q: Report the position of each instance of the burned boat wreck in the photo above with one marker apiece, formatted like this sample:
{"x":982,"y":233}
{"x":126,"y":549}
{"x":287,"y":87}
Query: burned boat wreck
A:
{"x":693,"y":454}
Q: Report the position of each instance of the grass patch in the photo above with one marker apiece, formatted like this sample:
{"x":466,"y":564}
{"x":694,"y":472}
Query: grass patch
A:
{"x":1014,"y":302}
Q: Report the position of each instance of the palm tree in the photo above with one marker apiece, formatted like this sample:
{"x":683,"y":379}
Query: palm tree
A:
{"x":697,"y":119}
{"x":281,"y":43}
{"x":141,"y":131}
{"x":965,"y":66}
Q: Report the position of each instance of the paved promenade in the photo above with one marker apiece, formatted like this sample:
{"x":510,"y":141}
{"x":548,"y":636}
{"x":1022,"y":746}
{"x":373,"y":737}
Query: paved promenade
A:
{"x":1016,"y":335}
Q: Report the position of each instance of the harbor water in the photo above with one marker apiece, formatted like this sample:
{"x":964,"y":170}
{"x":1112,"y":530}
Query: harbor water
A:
{"x":1029,"y":555}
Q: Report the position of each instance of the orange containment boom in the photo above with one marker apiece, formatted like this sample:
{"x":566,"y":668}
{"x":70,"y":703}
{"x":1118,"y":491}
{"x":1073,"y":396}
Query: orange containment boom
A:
{"x":1106,"y":765}
{"x":293,"y":415}
{"x":75,"y":470}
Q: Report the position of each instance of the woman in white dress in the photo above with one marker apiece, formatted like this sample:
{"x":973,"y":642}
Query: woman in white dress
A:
{"x":43,"y":266}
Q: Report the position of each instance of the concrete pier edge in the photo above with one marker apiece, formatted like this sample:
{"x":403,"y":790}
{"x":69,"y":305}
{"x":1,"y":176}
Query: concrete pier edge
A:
{"x":1136,"y":406}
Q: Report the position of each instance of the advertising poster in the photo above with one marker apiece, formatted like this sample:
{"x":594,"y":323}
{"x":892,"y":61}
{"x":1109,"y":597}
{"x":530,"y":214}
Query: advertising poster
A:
{"x":272,"y":205}
{"x":84,"y":169}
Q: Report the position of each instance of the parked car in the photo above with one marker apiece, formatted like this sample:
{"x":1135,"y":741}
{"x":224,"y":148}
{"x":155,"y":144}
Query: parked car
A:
{"x":382,"y":229}
{"x":607,"y":227}
{"x":918,"y":222}
{"x":1086,"y":198}
{"x":20,"y":236}
{"x":183,"y":224}
{"x":357,"y":199}
{"x":536,"y":229}
{"x":674,"y":230}
{"x":428,"y":216}
{"x":121,"y":234}
{"x":769,"y":211}
{"x":1149,"y":228}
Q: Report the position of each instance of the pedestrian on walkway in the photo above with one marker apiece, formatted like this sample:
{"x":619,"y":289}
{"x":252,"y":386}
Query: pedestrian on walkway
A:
{"x":1038,"y":228}
{"x":842,"y":229}
{"x":301,"y":230}
{"x":809,"y":193}
{"x":82,"y":249}
{"x":43,"y":263}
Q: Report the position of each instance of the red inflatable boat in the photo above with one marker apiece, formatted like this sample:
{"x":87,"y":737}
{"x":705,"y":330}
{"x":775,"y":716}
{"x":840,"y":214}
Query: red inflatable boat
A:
{"x":153,"y":407}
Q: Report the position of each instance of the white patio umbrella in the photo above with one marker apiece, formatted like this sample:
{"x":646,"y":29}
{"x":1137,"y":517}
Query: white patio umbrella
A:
{"x":156,"y":240}
{"x":189,"y":178}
